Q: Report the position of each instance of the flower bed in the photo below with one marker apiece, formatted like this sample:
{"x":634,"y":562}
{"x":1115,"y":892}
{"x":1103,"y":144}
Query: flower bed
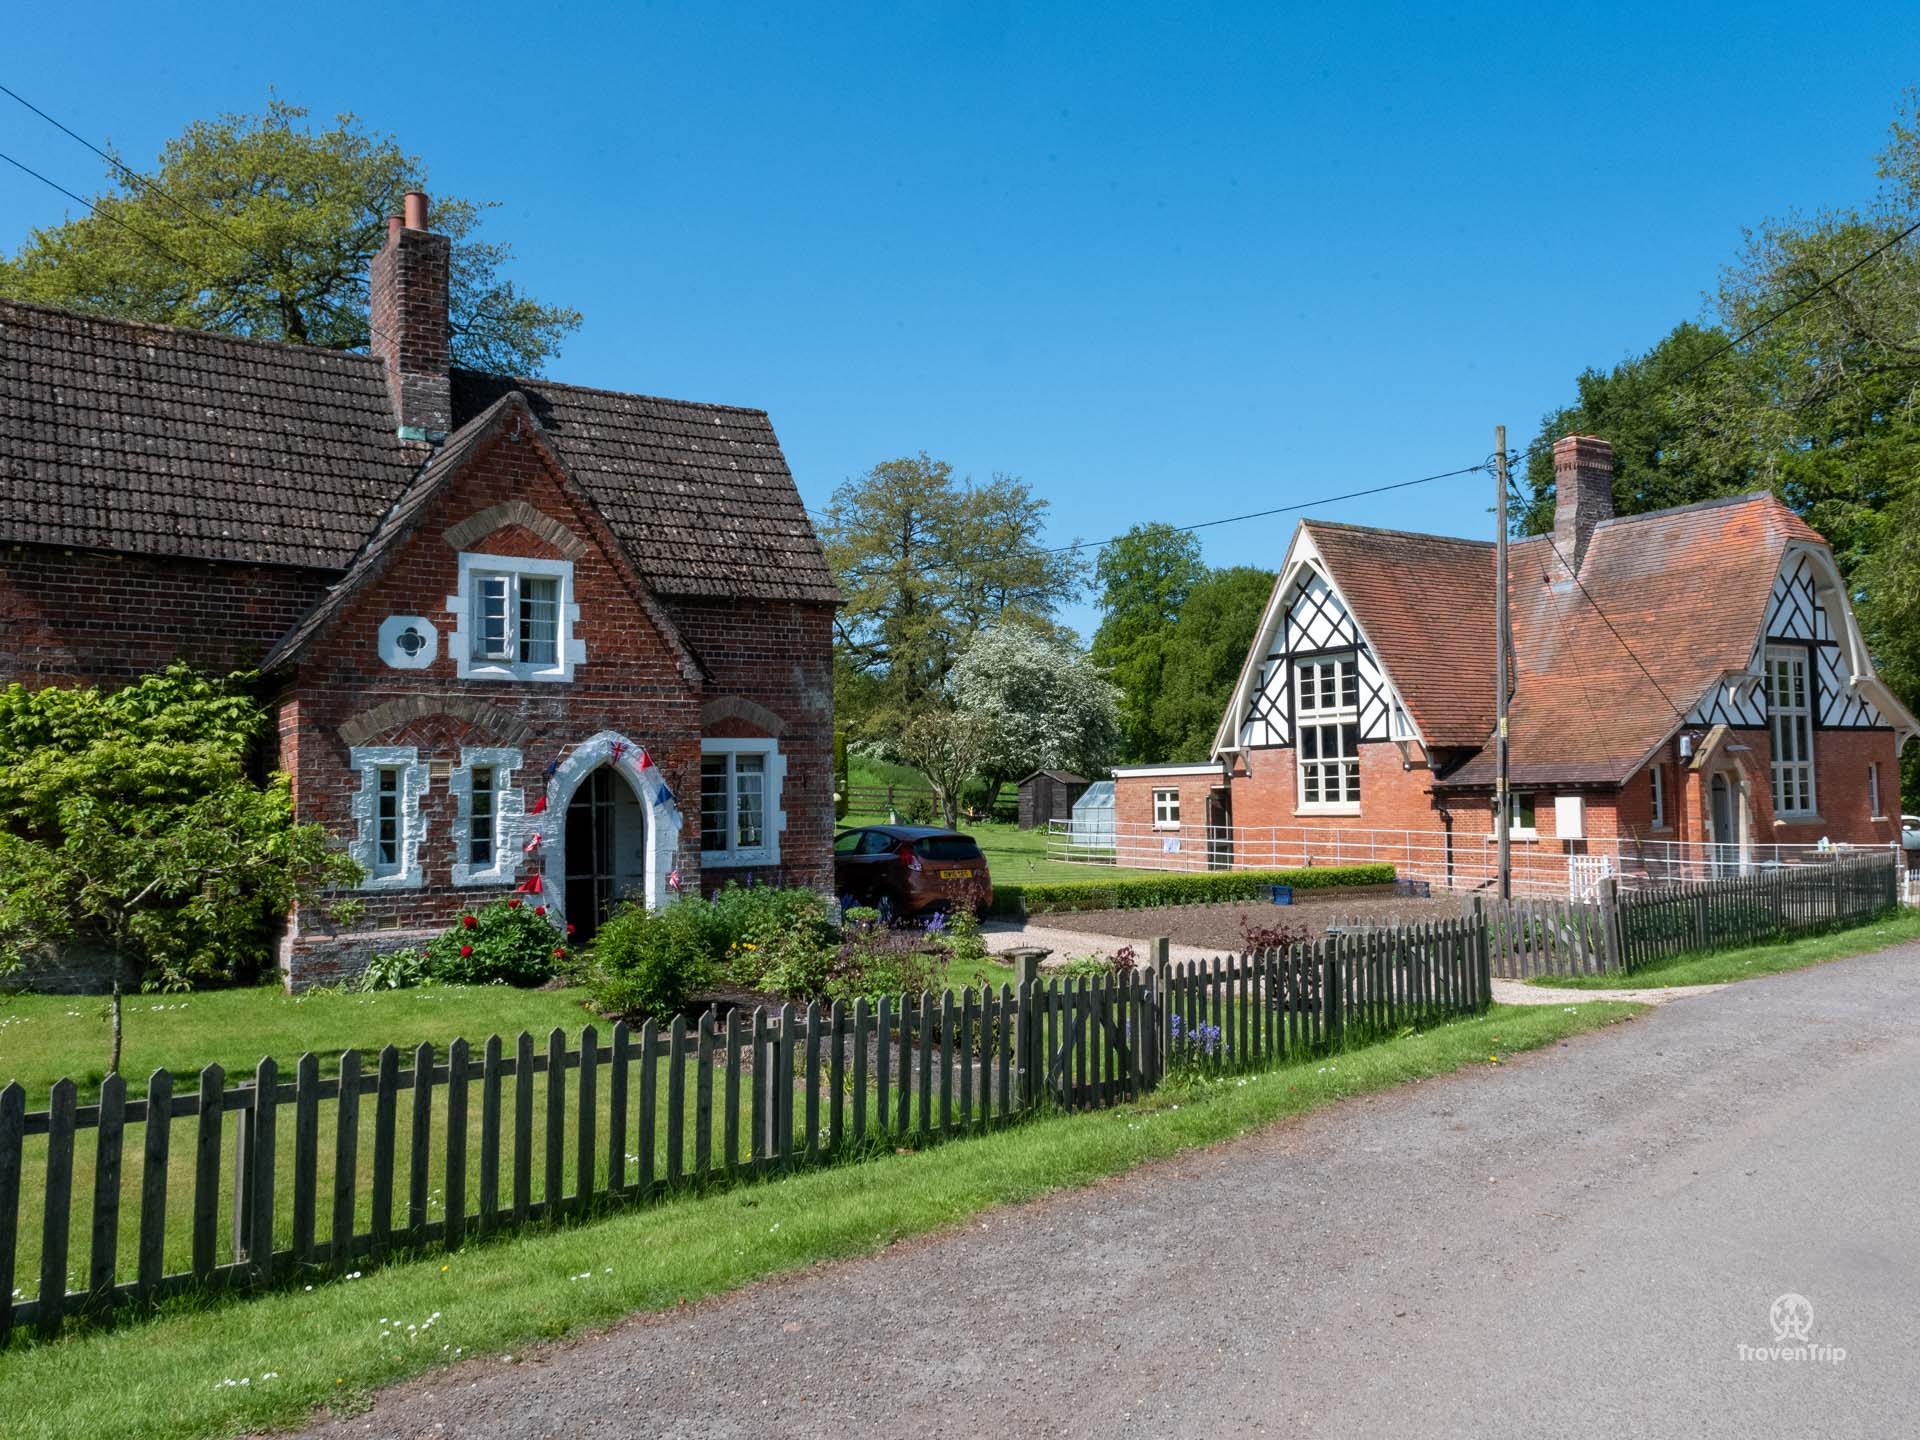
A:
{"x":1151,"y":891}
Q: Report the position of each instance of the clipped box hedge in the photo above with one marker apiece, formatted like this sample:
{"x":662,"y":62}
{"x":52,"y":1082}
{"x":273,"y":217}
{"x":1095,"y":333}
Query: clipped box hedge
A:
{"x":1151,"y":891}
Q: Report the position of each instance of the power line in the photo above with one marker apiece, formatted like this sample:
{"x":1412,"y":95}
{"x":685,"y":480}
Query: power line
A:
{"x":100,"y":214}
{"x":1632,"y":654}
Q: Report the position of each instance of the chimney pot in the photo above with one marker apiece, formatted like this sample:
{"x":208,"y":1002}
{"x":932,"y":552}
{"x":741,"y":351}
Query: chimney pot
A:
{"x":1583,"y":493}
{"x":393,"y":231}
{"x":416,"y":210}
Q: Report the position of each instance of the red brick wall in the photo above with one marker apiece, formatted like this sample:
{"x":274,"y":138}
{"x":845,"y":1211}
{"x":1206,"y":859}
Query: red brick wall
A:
{"x":1840,"y":760}
{"x":74,"y":617}
{"x":1266,"y":793}
{"x":1133,"y":814}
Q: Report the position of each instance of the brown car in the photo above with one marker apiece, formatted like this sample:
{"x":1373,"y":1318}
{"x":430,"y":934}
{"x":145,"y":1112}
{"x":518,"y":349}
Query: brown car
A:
{"x":903,"y":870}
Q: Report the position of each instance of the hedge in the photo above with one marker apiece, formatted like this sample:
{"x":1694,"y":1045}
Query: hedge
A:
{"x":1174,"y":888}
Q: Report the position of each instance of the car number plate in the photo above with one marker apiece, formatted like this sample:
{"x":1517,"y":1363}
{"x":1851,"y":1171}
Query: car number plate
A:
{"x":956,"y":874}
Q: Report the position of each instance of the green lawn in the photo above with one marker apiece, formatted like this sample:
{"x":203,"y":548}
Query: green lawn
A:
{"x":177,"y":1374}
{"x":1719,"y":967}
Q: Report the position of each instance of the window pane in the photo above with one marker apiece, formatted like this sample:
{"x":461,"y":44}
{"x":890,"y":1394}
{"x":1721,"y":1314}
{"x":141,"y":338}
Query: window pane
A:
{"x":713,"y":803}
{"x":480,"y":817}
{"x":490,"y":635}
{"x":750,"y":799}
{"x":539,"y":619}
{"x":387,"y":821}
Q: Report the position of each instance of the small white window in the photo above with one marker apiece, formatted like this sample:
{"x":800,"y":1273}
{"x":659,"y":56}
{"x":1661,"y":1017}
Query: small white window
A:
{"x":1166,"y":809}
{"x":1790,"y":727}
{"x":740,"y":816}
{"x":514,"y":619}
{"x":480,"y":815}
{"x":1659,"y":781}
{"x":386,"y":821}
{"x":1873,"y":792}
{"x":1522,"y":817}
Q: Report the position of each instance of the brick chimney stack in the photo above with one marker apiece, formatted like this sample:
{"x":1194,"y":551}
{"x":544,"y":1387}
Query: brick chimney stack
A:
{"x":1583,"y":493}
{"x":407,"y":300}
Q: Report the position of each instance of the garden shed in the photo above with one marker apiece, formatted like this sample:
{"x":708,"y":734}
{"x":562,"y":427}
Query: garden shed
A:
{"x":1048,"y":795}
{"x":1093,"y":817}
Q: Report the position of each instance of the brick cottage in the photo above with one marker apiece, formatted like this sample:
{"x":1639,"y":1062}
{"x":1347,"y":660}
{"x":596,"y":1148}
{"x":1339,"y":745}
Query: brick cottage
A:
{"x":505,"y":624}
{"x":1687,"y":678}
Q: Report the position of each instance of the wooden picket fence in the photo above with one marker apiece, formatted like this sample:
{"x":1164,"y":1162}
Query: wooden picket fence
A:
{"x":1751,"y":909}
{"x":1547,"y":937}
{"x":724,"y":1098}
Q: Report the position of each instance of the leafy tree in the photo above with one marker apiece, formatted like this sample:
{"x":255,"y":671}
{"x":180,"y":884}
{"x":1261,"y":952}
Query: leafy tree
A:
{"x":948,"y":746}
{"x":1210,"y":642}
{"x":925,"y":561}
{"x":1143,"y":579}
{"x":128,"y":822}
{"x":1048,"y":705}
{"x":257,"y":225}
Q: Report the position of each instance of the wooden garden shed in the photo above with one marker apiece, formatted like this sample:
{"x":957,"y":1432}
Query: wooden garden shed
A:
{"x":1048,"y":795}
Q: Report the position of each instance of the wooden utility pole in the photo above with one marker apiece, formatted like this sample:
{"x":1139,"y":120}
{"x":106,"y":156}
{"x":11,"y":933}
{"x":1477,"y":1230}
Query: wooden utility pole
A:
{"x":1502,"y":666}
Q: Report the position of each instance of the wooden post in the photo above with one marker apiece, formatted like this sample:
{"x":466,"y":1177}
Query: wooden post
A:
{"x":1610,"y":922}
{"x":1502,"y":802}
{"x":1159,"y":951}
{"x":1026,"y":1046}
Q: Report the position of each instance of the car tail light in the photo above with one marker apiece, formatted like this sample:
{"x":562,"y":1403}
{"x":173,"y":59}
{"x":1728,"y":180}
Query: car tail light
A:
{"x":908,"y":858}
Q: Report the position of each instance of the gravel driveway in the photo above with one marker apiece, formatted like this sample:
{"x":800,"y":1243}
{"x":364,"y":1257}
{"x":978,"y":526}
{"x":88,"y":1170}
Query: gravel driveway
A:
{"x":1572,"y":1244}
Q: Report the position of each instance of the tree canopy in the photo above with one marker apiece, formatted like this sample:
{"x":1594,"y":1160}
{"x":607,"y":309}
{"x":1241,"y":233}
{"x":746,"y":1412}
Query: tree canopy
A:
{"x":1210,"y":643}
{"x":1143,"y":579}
{"x":926,"y":561}
{"x":262,"y":225}
{"x":1048,"y":705}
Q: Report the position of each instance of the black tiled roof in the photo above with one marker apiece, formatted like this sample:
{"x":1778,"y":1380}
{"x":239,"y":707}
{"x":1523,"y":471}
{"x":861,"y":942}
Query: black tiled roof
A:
{"x":116,"y":435}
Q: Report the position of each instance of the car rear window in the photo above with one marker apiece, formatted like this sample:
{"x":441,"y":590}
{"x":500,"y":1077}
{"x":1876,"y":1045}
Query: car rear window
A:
{"x":947,"y":847}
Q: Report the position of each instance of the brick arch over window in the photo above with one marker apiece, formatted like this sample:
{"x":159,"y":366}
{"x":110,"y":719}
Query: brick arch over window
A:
{"x":498,"y":721}
{"x":478,"y":526}
{"x":747,"y":712}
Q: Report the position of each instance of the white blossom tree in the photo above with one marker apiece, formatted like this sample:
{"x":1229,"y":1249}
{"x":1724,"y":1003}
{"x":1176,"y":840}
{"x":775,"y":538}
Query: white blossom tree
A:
{"x":1049,"y":707}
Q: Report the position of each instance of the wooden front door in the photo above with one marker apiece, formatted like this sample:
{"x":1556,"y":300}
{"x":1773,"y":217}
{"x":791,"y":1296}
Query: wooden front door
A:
{"x":592,"y":872}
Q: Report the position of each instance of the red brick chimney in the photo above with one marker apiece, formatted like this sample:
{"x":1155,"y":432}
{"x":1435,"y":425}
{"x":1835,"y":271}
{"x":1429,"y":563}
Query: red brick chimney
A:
{"x":407,"y":300}
{"x":1583,"y":493}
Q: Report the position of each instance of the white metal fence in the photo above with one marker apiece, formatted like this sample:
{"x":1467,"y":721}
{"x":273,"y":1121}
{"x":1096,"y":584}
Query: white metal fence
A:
{"x":1545,"y":869}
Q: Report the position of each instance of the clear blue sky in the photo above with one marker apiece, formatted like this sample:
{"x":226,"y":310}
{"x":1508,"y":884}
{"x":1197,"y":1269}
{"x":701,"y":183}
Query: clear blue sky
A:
{"x":1165,"y":262}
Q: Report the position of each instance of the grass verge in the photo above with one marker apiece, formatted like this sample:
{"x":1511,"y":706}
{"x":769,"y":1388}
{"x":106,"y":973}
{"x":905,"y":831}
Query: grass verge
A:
{"x":1719,"y":967}
{"x":178,"y":1374}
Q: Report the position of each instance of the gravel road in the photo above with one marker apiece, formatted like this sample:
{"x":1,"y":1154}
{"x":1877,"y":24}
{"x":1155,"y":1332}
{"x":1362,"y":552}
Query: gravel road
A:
{"x":1573,"y":1244}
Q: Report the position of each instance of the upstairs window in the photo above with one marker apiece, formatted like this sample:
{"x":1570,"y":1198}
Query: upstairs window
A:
{"x":515,"y":619}
{"x":1327,"y":746}
{"x":1166,"y":809}
{"x":1790,"y":727}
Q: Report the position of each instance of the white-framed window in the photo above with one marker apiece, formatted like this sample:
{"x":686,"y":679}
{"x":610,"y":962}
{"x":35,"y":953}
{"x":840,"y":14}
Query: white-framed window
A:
{"x":1166,"y":809}
{"x":1522,"y":816}
{"x":1790,"y":727}
{"x":1873,"y":791}
{"x":1658,"y":778}
{"x":1327,"y":737}
{"x":386,"y":810}
{"x":488,"y":814}
{"x":740,"y":814}
{"x":514,"y":619}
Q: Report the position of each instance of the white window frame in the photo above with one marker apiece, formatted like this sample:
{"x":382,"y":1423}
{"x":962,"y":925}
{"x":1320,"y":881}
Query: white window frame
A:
{"x":411,"y":784}
{"x":1798,"y":772}
{"x":1873,"y":791}
{"x":465,"y":610}
{"x":1326,"y":721}
{"x":508,"y":816}
{"x":774,"y":820}
{"x":1658,"y":772}
{"x":1515,"y":829}
{"x":1166,"y":807}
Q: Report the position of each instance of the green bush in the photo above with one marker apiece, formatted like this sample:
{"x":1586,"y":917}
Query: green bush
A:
{"x":399,"y":970}
{"x":1176,"y":888}
{"x":506,"y":943}
{"x":647,"y":962}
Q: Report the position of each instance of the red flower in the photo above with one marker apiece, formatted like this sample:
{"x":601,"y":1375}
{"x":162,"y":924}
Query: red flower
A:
{"x":539,"y":909}
{"x":559,"y":952}
{"x":513,"y":904}
{"x":465,"y":951}
{"x":569,"y":928}
{"x":468,"y":921}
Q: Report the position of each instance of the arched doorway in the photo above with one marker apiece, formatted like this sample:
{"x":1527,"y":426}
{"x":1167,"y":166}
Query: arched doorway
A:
{"x":606,"y":849}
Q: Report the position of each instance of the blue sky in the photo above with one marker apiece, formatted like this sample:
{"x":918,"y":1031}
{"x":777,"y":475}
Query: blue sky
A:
{"x":1165,"y":262}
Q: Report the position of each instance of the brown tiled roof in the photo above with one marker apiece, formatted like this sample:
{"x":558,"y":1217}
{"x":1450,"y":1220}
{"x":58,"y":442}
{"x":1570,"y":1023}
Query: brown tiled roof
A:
{"x":116,"y":435}
{"x":1607,"y":669}
{"x":1426,"y":603}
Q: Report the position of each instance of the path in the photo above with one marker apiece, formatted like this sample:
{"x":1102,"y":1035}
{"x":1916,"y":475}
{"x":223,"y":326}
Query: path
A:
{"x":1572,"y":1244}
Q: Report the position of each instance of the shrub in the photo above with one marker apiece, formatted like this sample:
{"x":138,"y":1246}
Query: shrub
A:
{"x":647,"y":962}
{"x":1255,"y":938}
{"x":506,"y":943}
{"x":399,"y":970}
{"x":1176,"y":888}
{"x":877,"y":960}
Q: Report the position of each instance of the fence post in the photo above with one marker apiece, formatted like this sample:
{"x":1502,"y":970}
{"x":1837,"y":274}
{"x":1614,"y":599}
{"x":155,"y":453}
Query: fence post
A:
{"x":1336,"y":1019}
{"x":1159,"y":950}
{"x":1026,"y":1044}
{"x":1610,"y":922}
{"x":243,"y":1181}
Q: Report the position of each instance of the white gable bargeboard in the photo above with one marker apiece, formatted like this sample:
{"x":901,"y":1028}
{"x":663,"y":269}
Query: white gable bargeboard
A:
{"x":1314,"y":621}
{"x":1798,"y":612}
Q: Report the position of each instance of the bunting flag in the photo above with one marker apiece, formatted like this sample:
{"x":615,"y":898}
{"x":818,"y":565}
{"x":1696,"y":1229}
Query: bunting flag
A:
{"x":539,"y":806}
{"x":646,"y":760}
{"x":673,"y":879}
{"x":552,"y":765}
{"x":532,"y":885}
{"x":531,"y":845}
{"x":666,"y":794}
{"x":619,"y":748}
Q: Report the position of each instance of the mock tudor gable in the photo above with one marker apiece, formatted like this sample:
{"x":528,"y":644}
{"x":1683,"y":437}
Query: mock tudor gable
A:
{"x":519,"y":636}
